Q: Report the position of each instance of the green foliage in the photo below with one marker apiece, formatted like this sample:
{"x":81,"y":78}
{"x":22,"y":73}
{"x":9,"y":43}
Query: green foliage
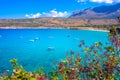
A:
{"x":40,"y":70}
{"x":14,"y":62}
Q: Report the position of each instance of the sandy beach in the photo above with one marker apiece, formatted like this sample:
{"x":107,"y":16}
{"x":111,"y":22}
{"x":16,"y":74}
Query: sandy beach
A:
{"x":71,"y":28}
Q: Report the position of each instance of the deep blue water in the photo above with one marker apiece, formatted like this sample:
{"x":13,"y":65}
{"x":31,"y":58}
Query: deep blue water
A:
{"x":30,"y":46}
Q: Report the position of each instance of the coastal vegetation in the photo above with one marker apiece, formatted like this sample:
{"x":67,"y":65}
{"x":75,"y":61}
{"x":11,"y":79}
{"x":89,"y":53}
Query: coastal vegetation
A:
{"x":99,"y":62}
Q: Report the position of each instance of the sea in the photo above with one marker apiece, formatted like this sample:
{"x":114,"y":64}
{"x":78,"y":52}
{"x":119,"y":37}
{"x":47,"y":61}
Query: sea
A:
{"x":35,"y":48}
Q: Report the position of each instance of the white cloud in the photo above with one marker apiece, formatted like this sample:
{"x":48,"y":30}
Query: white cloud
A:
{"x":100,"y":1}
{"x":52,"y":13}
{"x":37,"y":15}
{"x":81,"y":0}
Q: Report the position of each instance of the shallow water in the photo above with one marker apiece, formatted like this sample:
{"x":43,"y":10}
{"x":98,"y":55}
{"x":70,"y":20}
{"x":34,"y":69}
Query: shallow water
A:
{"x":42,"y":47}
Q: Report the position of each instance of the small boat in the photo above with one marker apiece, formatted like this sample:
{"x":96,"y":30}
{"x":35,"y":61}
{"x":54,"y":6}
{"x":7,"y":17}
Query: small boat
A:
{"x":32,"y":40}
{"x":37,"y":38}
{"x":76,"y":38}
{"x":50,"y":48}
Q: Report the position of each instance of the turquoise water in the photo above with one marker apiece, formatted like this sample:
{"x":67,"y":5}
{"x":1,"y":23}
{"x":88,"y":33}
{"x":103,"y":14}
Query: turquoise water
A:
{"x":42,"y":47}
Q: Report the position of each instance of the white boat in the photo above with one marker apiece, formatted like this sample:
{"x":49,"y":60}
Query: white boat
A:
{"x":50,"y":48}
{"x":32,"y":40}
{"x":37,"y":38}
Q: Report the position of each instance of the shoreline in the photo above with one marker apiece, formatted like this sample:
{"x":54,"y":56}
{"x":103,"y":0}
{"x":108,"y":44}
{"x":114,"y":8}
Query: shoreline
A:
{"x":32,"y":28}
{"x":69,"y":28}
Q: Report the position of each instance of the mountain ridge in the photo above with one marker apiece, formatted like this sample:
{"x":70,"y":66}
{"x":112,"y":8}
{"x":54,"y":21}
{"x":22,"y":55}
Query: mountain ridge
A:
{"x":111,"y":11}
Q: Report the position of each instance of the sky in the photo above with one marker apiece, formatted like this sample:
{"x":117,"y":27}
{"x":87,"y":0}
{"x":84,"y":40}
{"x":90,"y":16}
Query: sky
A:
{"x":15,"y":9}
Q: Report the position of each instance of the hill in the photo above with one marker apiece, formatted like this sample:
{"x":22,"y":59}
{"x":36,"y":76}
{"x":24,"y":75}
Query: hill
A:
{"x":57,"y":22}
{"x":111,"y":11}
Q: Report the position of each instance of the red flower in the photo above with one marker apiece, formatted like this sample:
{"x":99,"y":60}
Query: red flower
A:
{"x":41,"y":78}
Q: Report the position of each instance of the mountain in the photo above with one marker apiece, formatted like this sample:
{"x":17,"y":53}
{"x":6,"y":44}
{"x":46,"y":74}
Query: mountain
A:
{"x":111,"y":11}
